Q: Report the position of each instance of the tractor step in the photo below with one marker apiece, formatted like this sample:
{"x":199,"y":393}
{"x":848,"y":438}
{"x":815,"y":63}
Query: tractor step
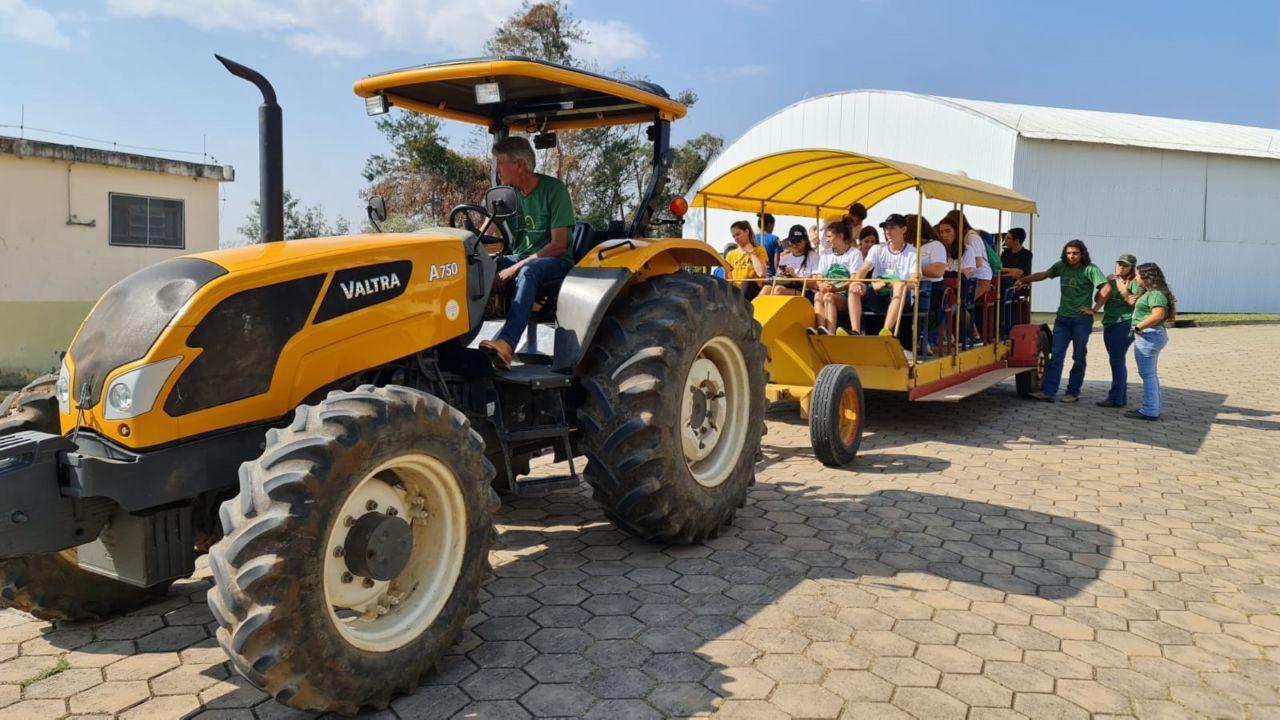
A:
{"x":537,"y":433}
{"x":538,"y":377}
{"x":534,"y":486}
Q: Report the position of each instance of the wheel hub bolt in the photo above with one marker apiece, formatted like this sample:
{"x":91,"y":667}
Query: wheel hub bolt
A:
{"x":339,"y":551}
{"x":347,"y":577}
{"x":368,"y":582}
{"x":393,"y":512}
{"x":371,"y":505}
{"x":349,"y":521}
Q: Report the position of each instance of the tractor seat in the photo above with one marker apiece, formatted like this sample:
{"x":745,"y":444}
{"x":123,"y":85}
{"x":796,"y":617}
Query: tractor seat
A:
{"x":582,"y":238}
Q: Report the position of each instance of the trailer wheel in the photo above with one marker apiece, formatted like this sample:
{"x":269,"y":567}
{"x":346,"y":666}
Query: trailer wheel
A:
{"x":1030,"y":381}
{"x":837,"y":414}
{"x":52,"y":586}
{"x":674,"y":408}
{"x":355,"y":549}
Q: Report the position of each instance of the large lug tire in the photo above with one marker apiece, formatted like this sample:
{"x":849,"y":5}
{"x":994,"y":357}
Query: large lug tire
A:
{"x":674,"y":408}
{"x":837,"y":413}
{"x":1030,"y":381}
{"x":52,"y":586}
{"x":311,"y":605}
{"x":34,"y":407}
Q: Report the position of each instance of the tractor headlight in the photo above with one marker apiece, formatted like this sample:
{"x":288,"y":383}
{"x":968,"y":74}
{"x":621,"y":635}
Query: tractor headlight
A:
{"x":62,"y":389}
{"x":134,"y":392}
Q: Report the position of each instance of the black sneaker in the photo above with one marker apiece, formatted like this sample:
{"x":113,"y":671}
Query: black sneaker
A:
{"x":1107,"y":404}
{"x":1137,"y":415}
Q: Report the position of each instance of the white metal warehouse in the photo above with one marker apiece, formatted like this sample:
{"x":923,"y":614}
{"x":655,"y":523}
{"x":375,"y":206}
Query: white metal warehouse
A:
{"x":1202,"y":199}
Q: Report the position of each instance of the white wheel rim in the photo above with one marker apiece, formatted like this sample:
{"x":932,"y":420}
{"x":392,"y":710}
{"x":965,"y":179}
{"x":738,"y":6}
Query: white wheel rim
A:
{"x":714,"y":409}
{"x":380,"y":616}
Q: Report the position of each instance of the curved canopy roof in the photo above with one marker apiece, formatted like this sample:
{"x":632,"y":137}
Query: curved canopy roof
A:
{"x":805,"y":182}
{"x":534,"y":95}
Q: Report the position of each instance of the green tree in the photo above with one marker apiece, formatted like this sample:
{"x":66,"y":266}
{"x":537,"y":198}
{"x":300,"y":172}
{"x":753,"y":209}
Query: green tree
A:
{"x":300,"y":222}
{"x":691,"y":159}
{"x":422,"y":179}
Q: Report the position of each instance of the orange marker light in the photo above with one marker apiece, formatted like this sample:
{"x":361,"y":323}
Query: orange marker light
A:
{"x":679,"y":206}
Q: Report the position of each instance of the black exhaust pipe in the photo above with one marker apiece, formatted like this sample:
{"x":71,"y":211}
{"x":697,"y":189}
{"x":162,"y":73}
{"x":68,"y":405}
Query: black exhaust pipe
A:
{"x":270,"y":154}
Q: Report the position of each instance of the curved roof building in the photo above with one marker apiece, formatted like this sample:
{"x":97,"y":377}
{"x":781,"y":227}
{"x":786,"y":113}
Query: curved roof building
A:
{"x":1202,"y":199}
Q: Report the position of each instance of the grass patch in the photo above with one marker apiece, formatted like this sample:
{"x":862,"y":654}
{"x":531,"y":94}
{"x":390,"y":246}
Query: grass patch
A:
{"x":58,"y":667}
{"x":1215,"y":318}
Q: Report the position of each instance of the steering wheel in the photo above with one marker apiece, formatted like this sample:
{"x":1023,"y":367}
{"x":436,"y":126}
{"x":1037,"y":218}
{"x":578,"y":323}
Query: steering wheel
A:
{"x":476,"y":217}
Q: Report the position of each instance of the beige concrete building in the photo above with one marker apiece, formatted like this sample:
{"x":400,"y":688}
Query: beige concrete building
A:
{"x":74,"y":221}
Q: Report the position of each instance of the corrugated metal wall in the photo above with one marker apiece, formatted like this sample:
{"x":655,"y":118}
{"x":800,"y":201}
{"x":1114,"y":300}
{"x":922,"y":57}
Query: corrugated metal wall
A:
{"x":899,"y":126}
{"x":1210,"y":221}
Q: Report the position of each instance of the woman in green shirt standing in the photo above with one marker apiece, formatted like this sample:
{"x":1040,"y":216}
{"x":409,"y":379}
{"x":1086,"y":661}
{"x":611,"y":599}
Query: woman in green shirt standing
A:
{"x":1115,"y":301}
{"x":1154,"y":308}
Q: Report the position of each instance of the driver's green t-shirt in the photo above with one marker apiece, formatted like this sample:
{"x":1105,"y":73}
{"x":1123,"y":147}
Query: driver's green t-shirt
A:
{"x":547,"y":207}
{"x":1078,"y":284}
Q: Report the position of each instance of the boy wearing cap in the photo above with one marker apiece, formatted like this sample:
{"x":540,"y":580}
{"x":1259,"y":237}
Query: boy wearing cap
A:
{"x":893,"y":261}
{"x":1116,"y":300}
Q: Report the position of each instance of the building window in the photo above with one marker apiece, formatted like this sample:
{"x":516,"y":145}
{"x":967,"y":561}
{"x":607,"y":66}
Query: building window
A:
{"x":146,"y":221}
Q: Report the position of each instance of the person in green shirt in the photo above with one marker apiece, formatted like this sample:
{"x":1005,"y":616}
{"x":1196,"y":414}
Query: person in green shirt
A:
{"x":1153,"y":309}
{"x":1078,"y":278}
{"x":539,"y":241}
{"x":1116,"y":300}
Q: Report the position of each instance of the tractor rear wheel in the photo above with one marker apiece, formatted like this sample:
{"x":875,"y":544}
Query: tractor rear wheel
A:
{"x":355,"y":549}
{"x":674,"y":408}
{"x":52,"y":586}
{"x":837,"y":413}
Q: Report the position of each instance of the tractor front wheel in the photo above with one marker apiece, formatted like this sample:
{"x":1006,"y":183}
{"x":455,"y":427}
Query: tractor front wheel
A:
{"x":355,"y":549}
{"x":674,"y":408}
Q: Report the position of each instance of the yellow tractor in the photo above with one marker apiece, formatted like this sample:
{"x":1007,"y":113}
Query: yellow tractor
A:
{"x":315,"y":414}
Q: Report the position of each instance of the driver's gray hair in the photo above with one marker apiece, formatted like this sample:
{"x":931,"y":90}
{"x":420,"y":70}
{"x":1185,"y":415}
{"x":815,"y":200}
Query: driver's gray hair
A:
{"x":516,"y":148}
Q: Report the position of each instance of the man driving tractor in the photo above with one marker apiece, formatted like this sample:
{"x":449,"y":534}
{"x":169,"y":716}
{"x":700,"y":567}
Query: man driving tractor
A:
{"x":540,"y":241}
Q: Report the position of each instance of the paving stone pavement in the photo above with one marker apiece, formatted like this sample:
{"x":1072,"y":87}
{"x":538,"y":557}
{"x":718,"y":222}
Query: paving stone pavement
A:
{"x":995,"y":558}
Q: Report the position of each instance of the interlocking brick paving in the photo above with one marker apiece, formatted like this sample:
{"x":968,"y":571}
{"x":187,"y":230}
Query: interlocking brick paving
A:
{"x":989,"y":559}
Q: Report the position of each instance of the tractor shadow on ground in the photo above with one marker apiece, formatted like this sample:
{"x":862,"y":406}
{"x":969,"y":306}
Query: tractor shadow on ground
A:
{"x":580,"y":620}
{"x":586,"y":612}
{"x":999,"y":419}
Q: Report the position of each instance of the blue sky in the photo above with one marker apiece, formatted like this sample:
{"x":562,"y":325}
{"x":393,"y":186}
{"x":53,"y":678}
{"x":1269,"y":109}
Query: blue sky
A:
{"x":141,"y":72}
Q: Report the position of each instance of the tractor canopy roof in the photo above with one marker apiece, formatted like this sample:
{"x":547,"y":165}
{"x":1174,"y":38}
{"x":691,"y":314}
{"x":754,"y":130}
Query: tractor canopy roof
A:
{"x":522,"y":94}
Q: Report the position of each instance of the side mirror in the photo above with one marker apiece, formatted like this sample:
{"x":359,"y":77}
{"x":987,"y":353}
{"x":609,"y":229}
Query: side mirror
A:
{"x":377,"y":211}
{"x":501,"y":202}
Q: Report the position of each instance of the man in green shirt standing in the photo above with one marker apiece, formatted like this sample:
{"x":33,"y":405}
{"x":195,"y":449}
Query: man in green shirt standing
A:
{"x":1079,"y":278}
{"x":539,"y":241}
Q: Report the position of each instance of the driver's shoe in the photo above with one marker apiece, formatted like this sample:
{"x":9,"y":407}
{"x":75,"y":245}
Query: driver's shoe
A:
{"x":499,"y":352}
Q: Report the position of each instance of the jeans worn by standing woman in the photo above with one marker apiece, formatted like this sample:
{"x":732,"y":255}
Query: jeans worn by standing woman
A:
{"x":1116,"y":302}
{"x":1153,"y":309}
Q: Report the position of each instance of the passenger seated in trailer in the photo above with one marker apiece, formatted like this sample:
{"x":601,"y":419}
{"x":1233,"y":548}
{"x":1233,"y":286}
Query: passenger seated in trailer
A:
{"x":797,"y":260}
{"x":982,"y":274}
{"x":867,"y":239}
{"x":933,"y":266}
{"x":855,"y":219}
{"x":890,"y":264}
{"x":840,"y":263}
{"x":1016,"y":262}
{"x":767,"y":239}
{"x":746,"y":260}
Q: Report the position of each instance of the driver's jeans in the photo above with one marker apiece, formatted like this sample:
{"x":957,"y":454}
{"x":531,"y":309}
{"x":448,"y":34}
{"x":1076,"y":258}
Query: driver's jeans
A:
{"x":535,"y":274}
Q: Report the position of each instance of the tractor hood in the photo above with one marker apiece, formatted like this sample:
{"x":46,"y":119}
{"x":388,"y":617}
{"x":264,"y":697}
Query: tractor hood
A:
{"x":240,"y":335}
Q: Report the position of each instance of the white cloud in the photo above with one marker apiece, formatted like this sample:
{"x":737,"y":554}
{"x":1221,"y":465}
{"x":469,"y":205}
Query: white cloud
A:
{"x":353,"y":28}
{"x":30,"y":24}
{"x":610,"y":42}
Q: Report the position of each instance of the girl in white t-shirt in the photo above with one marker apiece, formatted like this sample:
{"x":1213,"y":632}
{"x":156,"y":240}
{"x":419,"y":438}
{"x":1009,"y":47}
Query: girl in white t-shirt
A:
{"x":973,"y":240}
{"x":797,"y":260}
{"x":835,"y":267}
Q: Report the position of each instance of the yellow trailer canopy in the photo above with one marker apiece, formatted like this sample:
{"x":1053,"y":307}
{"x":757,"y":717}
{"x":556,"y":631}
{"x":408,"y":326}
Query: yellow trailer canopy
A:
{"x":523,"y":94}
{"x":805,"y":182}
